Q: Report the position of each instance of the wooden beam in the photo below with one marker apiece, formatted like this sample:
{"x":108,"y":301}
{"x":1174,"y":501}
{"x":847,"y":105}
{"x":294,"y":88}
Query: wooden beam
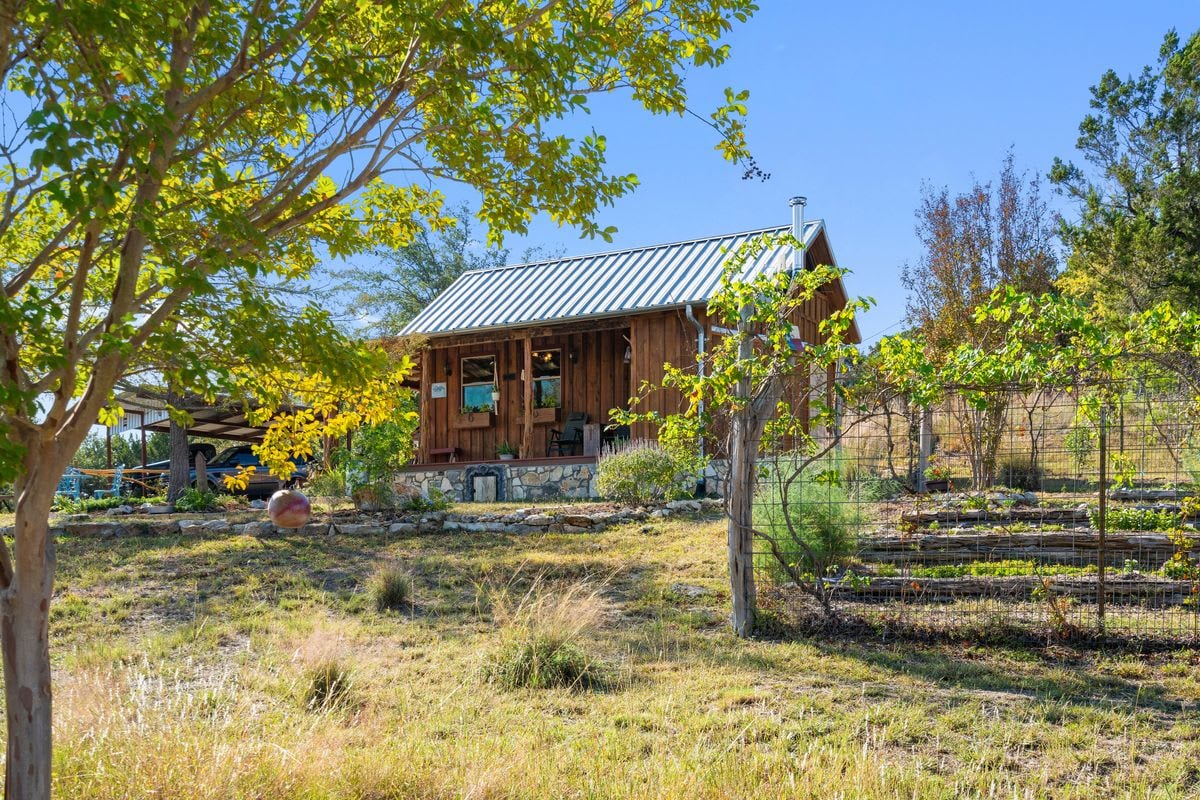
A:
{"x":423,"y":427}
{"x":527,"y":434}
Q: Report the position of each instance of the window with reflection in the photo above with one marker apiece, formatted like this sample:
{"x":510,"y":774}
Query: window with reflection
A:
{"x":478,"y":380}
{"x":547,"y":378}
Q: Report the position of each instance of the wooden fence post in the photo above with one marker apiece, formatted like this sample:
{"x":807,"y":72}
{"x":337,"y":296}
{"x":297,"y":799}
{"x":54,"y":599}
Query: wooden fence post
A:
{"x":1102,"y":520}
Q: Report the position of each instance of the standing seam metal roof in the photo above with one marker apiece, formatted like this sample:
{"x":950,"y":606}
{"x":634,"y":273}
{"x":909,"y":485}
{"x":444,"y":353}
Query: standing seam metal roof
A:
{"x":597,"y":285}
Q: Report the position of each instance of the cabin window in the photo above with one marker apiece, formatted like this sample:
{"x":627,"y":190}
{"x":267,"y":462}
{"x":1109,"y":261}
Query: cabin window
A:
{"x":547,"y":378}
{"x":478,"y":381}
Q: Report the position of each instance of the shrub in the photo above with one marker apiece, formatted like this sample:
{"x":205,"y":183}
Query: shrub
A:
{"x":541,"y":640}
{"x":326,"y":686}
{"x":1019,"y":473}
{"x":390,"y":589}
{"x":329,"y":483}
{"x":808,"y":514}
{"x":192,"y":500}
{"x":84,"y":505}
{"x":436,"y":501}
{"x":639,"y":471}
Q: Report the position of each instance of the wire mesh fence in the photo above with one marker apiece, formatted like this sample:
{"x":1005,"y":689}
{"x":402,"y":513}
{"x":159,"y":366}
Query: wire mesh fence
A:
{"x":1032,"y":516}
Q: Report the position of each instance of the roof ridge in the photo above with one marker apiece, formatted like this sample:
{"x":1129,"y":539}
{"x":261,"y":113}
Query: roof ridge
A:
{"x":523,"y":264}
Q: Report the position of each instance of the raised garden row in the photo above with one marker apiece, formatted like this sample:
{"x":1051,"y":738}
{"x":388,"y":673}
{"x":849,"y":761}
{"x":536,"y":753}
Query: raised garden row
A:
{"x":1118,"y":588}
{"x":1151,"y":549}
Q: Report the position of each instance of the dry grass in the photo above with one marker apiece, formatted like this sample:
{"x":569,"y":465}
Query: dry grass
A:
{"x":181,"y":665}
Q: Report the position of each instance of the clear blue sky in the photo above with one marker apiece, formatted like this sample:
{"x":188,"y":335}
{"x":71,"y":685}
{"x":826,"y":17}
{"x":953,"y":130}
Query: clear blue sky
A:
{"x":855,"y":104}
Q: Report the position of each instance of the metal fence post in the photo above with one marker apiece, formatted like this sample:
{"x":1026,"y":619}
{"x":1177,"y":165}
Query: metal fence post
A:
{"x":1102,"y":521}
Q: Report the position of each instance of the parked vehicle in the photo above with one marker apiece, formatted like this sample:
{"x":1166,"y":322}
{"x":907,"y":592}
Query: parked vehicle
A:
{"x":230,"y":462}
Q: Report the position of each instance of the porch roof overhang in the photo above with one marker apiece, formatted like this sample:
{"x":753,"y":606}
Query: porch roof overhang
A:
{"x":144,"y":411}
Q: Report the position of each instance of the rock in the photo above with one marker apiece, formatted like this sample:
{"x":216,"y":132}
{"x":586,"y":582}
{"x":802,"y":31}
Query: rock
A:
{"x":118,"y":511}
{"x":217,"y":526}
{"x":519,"y":528}
{"x":578,"y":520}
{"x":263,"y":528}
{"x":191,"y":525}
{"x":574,"y":529}
{"x":159,"y":509}
{"x":688,"y":590}
{"x":660,"y":513}
{"x":402,"y":528}
{"x":361,"y":530}
{"x":683,"y":505}
{"x":467,"y":526}
{"x":406,"y":491}
{"x":539,"y":519}
{"x":258,"y":505}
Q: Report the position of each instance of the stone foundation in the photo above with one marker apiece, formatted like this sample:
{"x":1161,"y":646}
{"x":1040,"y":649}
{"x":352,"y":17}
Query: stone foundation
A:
{"x":514,"y":482}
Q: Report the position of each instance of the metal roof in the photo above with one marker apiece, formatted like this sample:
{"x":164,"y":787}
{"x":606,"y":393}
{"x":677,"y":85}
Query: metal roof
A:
{"x":598,"y":285}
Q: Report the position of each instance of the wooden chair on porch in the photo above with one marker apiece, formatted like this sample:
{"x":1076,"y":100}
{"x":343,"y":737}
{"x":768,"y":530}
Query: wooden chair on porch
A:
{"x":571,"y":435}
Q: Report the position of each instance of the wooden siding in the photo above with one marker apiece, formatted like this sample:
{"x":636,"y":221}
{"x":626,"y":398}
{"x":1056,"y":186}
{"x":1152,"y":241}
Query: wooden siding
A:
{"x":594,"y":383}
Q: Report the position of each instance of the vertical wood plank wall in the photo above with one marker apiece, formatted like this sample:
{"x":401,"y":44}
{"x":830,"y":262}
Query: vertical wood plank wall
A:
{"x":597,"y":381}
{"x":594,"y":383}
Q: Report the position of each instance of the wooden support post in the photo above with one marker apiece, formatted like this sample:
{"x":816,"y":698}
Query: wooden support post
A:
{"x":527,"y":433}
{"x":143,"y":427}
{"x":201,"y":472}
{"x":925,"y":447}
{"x":108,"y":446}
{"x":424,"y":430}
{"x":1102,"y":522}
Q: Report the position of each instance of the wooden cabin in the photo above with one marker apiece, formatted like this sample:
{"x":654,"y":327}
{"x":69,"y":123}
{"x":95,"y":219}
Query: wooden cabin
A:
{"x":507,"y":354}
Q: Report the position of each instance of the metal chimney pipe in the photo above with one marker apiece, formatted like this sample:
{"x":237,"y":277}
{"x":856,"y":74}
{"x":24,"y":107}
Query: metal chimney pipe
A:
{"x":797,"y":204}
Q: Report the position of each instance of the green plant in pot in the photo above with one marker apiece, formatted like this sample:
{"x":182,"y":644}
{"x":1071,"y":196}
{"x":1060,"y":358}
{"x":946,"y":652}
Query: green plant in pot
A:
{"x":506,"y":451}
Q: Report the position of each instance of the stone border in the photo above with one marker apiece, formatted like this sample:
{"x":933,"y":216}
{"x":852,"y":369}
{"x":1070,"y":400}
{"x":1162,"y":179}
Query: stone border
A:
{"x":563,"y":519}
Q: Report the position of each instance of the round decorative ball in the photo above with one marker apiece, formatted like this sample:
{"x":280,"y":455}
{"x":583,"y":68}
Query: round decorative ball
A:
{"x":288,"y":508}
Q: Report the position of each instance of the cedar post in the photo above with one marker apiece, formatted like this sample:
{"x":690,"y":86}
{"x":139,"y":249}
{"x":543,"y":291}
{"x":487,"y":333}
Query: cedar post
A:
{"x":527,"y":434}
{"x":423,"y":428}
{"x":108,"y":446}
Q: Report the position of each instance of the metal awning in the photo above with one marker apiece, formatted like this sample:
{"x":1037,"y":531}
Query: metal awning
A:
{"x":218,"y":421}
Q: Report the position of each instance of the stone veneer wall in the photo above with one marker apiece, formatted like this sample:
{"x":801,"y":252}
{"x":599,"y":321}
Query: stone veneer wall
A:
{"x":523,"y":482}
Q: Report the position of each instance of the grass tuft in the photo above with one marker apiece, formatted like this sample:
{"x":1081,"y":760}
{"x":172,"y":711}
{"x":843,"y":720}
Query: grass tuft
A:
{"x":390,"y":589}
{"x":542,"y":643}
{"x":327,"y":686}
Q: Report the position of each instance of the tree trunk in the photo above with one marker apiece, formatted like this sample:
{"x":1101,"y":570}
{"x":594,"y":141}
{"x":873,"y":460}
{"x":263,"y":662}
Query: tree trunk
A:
{"x":741,"y":519}
{"x":25,"y":636}
{"x":177,"y":439}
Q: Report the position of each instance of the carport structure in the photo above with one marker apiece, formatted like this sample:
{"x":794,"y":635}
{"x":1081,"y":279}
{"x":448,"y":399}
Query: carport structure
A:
{"x":146,"y":412}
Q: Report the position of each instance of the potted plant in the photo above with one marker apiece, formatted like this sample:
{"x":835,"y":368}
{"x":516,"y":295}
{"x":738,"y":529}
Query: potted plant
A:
{"x":474,"y":417}
{"x":506,"y":451}
{"x":937,"y":476}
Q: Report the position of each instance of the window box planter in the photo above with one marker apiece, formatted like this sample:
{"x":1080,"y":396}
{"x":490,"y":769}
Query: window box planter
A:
{"x":475,"y":420}
{"x":545,"y":415}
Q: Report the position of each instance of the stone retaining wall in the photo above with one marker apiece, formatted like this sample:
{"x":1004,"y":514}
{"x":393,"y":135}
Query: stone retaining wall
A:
{"x":521,"y":482}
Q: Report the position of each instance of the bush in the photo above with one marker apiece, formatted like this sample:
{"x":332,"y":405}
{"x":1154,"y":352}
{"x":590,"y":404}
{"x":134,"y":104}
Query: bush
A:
{"x":812,"y":519}
{"x":436,"y":501}
{"x":639,"y":471}
{"x":84,"y":505}
{"x":327,"y":686}
{"x":193,"y":500}
{"x":1020,"y":474}
{"x":390,"y":589}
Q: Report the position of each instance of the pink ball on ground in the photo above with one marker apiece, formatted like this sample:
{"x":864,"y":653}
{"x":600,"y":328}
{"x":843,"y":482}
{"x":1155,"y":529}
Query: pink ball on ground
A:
{"x":288,"y":508}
